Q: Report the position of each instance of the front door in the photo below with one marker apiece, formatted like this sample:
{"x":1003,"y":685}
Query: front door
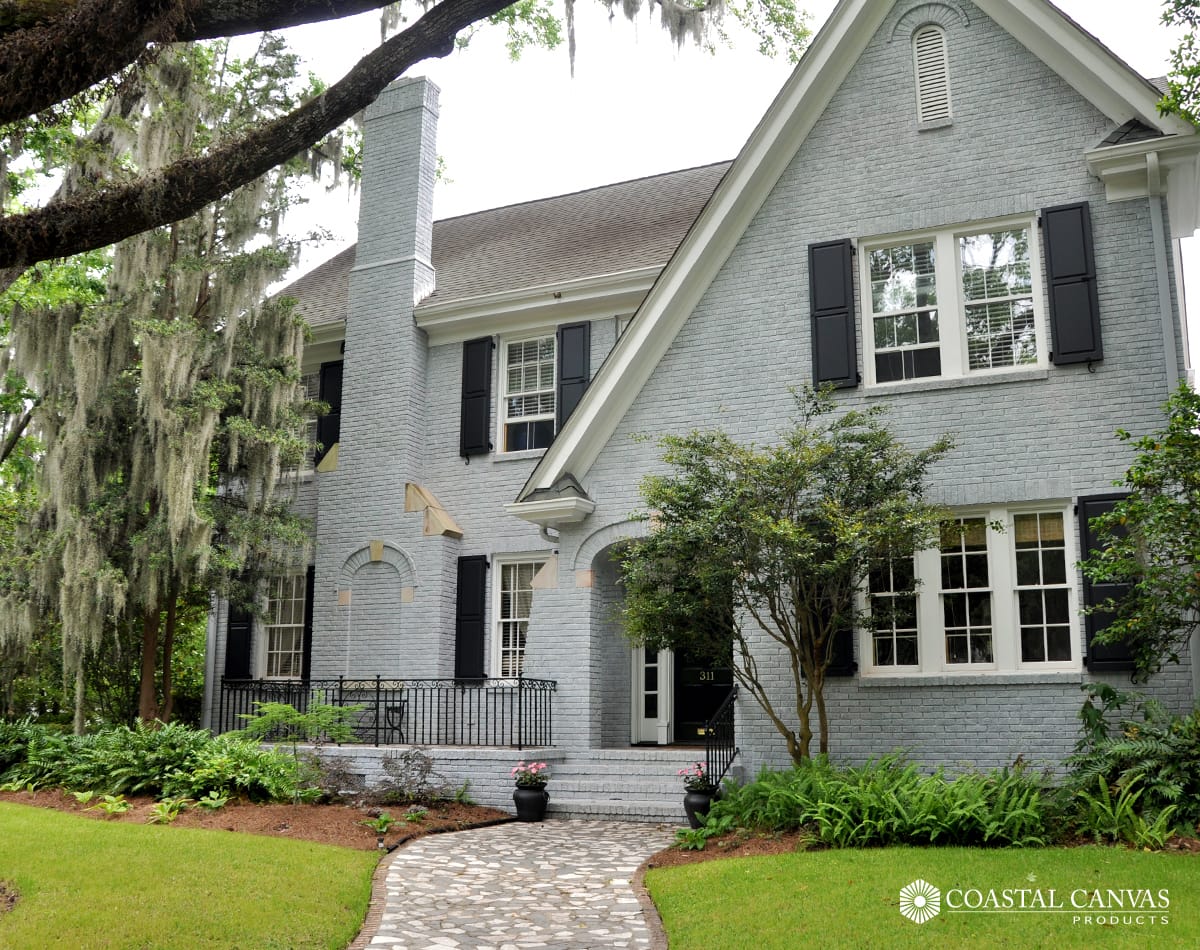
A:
{"x":700,"y":688}
{"x":674,"y":696}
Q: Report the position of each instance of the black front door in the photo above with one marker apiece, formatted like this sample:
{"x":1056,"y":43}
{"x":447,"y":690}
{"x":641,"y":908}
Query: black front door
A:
{"x":700,"y":688}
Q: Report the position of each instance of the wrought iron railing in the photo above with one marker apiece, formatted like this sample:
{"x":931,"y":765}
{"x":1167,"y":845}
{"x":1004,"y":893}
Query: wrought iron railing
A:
{"x":448,"y":712}
{"x":719,"y":748}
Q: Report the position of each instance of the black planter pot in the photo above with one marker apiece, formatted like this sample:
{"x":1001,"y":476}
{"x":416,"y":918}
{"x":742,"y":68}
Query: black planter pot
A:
{"x":697,"y":803}
{"x":531,"y":801}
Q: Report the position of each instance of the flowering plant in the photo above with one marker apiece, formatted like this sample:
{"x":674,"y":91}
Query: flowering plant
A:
{"x":695,"y":779}
{"x":530,"y":774}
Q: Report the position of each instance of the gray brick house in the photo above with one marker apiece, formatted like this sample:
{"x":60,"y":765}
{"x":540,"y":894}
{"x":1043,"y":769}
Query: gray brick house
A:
{"x":969,"y":210}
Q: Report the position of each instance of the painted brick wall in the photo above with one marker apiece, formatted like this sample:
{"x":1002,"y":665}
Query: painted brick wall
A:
{"x":1015,"y":146}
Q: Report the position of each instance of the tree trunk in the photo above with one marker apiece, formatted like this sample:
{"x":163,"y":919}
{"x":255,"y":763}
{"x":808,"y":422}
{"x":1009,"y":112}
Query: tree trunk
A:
{"x":168,"y":680}
{"x":147,"y":696}
{"x":817,"y":687}
{"x":77,"y":725}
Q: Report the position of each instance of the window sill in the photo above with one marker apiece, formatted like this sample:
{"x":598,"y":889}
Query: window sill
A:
{"x":881,"y":390}
{"x":934,"y":124}
{"x":518,"y":456}
{"x":989,"y":678}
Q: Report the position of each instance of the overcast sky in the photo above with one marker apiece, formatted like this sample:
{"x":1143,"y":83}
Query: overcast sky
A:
{"x":511,"y":132}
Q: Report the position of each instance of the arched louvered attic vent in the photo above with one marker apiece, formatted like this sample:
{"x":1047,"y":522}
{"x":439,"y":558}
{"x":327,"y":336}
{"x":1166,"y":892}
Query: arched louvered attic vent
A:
{"x":933,"y":75}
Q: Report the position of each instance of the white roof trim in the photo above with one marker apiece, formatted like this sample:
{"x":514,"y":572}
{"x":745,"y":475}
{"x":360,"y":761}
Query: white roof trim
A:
{"x":552,"y":511}
{"x":1088,"y":67}
{"x":509,"y":311}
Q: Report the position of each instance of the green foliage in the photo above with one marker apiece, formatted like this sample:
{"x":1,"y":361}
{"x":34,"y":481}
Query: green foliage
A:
{"x":1151,"y":541}
{"x":172,"y":761}
{"x":166,"y":811}
{"x":1152,"y":764}
{"x":1183,"y":82}
{"x":415,"y":813}
{"x":776,"y":541}
{"x":887,"y":802}
{"x":14,"y":739}
{"x":281,"y":722}
{"x":381,"y":824}
{"x":212,"y":800}
{"x":112,"y":805}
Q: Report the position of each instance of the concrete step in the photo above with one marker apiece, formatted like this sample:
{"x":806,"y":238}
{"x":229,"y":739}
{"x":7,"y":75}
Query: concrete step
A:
{"x":627,"y":809}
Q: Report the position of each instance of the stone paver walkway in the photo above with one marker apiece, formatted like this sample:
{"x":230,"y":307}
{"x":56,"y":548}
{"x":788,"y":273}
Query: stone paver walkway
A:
{"x":555,"y":884}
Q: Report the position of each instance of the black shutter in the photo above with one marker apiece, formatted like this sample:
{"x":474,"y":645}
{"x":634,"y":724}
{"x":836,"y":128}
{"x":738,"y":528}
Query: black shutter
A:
{"x":831,"y":295}
{"x":329,"y":426}
{"x":310,"y":586}
{"x":1100,"y":656}
{"x":474,"y":434}
{"x":469,"y":617}
{"x":841,"y":659}
{"x":1071,"y":270}
{"x":574,"y":362}
{"x":238,"y":631}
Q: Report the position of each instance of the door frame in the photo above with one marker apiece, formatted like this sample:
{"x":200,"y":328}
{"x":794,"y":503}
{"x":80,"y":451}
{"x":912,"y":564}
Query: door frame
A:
{"x":659,"y":729}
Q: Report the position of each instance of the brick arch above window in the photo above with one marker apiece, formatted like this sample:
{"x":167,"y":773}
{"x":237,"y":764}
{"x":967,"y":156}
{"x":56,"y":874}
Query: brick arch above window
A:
{"x":943,"y":14}
{"x":603,"y":538}
{"x":388,"y":553}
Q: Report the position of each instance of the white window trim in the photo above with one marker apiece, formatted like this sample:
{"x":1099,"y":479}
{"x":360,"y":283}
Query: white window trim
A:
{"x":502,"y":391}
{"x":951,"y":306}
{"x":262,"y":627}
{"x":496,"y":576}
{"x":1002,"y":576}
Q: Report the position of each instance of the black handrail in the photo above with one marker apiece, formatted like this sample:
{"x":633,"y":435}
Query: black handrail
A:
{"x":447,"y":712}
{"x":719,"y":748}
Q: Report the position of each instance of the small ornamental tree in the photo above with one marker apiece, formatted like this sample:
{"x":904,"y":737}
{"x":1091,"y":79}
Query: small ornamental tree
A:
{"x":1151,"y":541}
{"x":753,"y":546}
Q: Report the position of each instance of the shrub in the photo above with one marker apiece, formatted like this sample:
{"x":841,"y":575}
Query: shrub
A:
{"x":1151,"y":766}
{"x":171,"y":761}
{"x":889,"y":802}
{"x":14,"y":738}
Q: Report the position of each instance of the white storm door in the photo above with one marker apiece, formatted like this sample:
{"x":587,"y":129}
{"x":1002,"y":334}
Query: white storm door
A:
{"x":653,"y":674}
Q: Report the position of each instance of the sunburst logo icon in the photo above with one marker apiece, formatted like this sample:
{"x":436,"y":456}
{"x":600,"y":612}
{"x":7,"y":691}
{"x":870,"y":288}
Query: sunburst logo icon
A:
{"x":920,"y":901}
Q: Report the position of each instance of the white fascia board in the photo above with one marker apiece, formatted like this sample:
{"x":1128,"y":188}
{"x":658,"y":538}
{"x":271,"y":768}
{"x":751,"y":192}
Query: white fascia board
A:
{"x":684,"y":280}
{"x":1123,"y":168}
{"x":552,"y":511}
{"x":588,"y":298}
{"x":1082,"y":62}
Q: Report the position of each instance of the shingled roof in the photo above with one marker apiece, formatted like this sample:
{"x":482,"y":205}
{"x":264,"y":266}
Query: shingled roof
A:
{"x":607,"y":230}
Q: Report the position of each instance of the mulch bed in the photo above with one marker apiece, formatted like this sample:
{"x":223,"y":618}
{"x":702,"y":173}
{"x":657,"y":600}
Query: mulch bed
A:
{"x":339,"y":825}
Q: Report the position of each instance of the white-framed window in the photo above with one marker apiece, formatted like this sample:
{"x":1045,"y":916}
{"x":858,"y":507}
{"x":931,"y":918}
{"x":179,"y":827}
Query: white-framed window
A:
{"x":994,"y":596}
{"x":958,"y":302}
{"x":932,"y":67}
{"x":514,"y":601}
{"x":528,"y":383}
{"x":284,"y":625}
{"x":310,"y":387}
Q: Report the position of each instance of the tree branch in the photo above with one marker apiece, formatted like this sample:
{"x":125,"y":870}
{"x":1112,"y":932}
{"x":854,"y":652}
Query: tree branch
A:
{"x":95,"y":219}
{"x":90,"y":42}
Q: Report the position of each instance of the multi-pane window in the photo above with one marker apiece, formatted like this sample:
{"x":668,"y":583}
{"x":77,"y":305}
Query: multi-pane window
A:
{"x":966,"y":591}
{"x":516,"y":601}
{"x":904,"y":302}
{"x":1043,"y":598}
{"x":997,"y":286}
{"x":994,"y":595}
{"x":528,"y":398}
{"x":285,"y":626}
{"x":310,"y":386}
{"x":891,"y":595}
{"x":954,"y":303}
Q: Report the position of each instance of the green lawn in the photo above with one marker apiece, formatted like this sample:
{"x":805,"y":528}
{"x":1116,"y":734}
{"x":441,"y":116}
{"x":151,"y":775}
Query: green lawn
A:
{"x":851,"y":898}
{"x":89,"y":884}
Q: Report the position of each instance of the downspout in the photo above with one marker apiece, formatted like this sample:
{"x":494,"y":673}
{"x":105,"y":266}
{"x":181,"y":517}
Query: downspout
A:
{"x":1154,"y":184}
{"x":1154,"y":187}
